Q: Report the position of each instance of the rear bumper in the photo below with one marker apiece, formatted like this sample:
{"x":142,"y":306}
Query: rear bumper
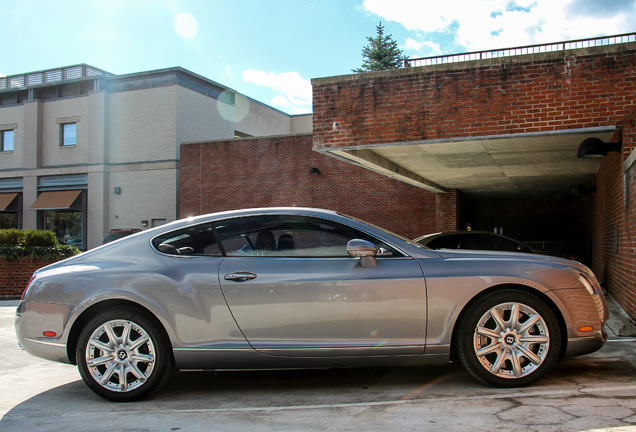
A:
{"x":43,"y":347}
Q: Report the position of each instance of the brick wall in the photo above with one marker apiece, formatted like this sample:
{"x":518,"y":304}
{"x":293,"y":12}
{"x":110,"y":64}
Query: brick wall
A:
{"x":15,"y":275}
{"x":448,"y":211}
{"x":265,"y":172}
{"x":614,"y":223}
{"x":585,"y":88}
{"x":541,"y":92}
{"x":522,"y":94}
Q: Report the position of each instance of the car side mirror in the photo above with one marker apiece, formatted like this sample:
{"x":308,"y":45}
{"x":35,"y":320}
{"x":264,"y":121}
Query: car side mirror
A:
{"x":365,"y":250}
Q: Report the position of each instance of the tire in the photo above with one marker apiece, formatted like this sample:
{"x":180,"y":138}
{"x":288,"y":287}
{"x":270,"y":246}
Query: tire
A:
{"x":504,"y":351}
{"x":123,"y":355}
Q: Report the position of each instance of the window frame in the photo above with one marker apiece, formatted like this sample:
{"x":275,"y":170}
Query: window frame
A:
{"x":63,"y":134}
{"x":161,"y":242}
{"x":3,"y":134}
{"x":170,"y":243}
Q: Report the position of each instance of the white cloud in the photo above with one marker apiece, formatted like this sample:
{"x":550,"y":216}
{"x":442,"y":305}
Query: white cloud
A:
{"x":280,"y":101}
{"x":294,"y":91}
{"x":186,"y":26}
{"x":417,"y":46}
{"x":490,"y":24}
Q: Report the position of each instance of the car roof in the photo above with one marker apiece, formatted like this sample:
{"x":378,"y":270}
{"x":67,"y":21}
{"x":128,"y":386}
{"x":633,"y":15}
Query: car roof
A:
{"x":257,"y":211}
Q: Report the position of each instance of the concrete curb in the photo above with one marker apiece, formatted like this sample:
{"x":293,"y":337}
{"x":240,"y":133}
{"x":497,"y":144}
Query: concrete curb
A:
{"x":619,"y":323}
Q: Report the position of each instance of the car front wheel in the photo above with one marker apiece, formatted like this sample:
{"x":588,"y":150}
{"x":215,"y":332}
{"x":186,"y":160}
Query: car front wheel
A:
{"x":122,"y":355}
{"x":509,"y":338}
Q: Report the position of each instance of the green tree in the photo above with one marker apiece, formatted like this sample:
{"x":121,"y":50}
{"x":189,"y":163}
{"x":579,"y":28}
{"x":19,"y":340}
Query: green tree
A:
{"x":381,"y":53}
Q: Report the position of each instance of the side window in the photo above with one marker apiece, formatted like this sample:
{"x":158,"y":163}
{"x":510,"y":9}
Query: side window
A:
{"x":287,"y":236}
{"x":384,"y":249}
{"x":504,"y":244}
{"x":283,"y":236}
{"x":483,"y":242}
{"x":198,"y":240}
{"x":453,"y":241}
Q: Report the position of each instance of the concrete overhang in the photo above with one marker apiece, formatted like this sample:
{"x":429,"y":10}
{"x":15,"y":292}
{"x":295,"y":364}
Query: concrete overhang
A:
{"x":500,"y":166}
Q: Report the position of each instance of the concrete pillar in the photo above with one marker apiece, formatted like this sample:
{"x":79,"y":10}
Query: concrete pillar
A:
{"x":31,"y":159}
{"x":97,"y":203}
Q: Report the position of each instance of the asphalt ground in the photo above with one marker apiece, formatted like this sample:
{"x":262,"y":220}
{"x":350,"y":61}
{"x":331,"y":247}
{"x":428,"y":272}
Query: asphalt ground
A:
{"x":593,"y":392}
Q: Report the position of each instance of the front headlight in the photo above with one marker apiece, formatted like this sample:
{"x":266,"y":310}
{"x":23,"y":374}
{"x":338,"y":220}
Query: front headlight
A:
{"x":589,"y":286}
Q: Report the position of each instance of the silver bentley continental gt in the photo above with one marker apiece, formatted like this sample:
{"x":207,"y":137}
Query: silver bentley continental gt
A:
{"x":303,"y":288}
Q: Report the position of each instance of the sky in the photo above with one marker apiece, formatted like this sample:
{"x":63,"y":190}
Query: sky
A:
{"x":269,"y":50}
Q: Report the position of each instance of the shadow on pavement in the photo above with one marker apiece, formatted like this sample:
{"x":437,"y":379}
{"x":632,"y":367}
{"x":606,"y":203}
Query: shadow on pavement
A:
{"x":204,"y":394}
{"x":73,"y":404}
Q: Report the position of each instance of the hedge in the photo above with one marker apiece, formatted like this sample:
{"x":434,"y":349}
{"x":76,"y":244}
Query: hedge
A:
{"x":16,"y":244}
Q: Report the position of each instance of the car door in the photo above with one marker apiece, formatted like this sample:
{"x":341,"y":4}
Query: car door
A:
{"x":294,"y":291}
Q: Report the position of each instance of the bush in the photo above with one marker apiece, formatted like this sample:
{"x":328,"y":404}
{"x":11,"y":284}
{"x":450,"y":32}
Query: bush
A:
{"x":13,"y":237}
{"x":40,"y":238}
{"x":16,"y":244}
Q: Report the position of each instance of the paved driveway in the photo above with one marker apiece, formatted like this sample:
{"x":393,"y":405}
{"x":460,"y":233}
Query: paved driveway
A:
{"x":597,"y":391}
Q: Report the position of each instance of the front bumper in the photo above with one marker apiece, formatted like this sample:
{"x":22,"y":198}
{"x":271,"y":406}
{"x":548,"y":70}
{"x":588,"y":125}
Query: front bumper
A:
{"x":585,"y":316}
{"x":585,"y":345}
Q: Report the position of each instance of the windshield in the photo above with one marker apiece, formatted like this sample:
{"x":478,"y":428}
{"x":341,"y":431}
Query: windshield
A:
{"x":384,"y":230}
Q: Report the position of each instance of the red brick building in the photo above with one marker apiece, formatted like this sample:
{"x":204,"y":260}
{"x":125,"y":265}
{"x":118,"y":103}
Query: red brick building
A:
{"x":491,"y":143}
{"x":275,"y":171}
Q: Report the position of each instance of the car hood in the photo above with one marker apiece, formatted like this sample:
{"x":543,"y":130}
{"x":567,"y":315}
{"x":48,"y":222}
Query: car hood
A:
{"x":530,"y":258}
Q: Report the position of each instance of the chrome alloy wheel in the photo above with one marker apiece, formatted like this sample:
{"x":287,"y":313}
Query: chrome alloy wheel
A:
{"x":120,"y":355}
{"x":511,"y":340}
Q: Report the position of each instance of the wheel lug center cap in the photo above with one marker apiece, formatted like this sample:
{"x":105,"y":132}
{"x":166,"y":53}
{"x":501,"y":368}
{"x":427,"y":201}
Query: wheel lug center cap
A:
{"x":122,"y":355}
{"x":509,"y":339}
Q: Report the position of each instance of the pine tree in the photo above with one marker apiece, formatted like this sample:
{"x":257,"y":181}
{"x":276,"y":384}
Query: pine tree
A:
{"x":381,"y":53}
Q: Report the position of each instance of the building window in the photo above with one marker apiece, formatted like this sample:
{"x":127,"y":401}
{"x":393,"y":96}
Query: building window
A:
{"x":68,"y":134}
{"x":64,"y":213}
{"x":61,"y":207}
{"x":10,"y":208}
{"x":6,"y":140}
{"x":9,"y":220}
{"x":67,"y":226}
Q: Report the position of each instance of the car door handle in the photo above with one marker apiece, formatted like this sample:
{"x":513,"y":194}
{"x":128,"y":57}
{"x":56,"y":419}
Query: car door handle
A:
{"x":240,"y":276}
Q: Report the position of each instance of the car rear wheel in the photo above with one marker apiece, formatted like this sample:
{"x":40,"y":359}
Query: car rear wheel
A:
{"x":509,"y":338}
{"x":122,"y":355}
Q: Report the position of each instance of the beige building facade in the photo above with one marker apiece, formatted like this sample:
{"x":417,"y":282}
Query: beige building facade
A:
{"x":83,"y":151}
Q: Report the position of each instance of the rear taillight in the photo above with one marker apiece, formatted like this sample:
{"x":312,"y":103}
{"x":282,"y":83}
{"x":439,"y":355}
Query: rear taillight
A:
{"x":27,"y":287}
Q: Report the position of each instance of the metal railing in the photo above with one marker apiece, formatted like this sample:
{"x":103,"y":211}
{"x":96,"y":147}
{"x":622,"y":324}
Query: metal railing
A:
{"x":572,"y":246}
{"x":51,"y":75}
{"x":518,"y":51}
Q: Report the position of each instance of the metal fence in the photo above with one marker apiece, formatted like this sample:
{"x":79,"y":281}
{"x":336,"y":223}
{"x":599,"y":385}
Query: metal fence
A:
{"x":518,"y":51}
{"x":51,"y":75}
{"x":576,"y":247}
